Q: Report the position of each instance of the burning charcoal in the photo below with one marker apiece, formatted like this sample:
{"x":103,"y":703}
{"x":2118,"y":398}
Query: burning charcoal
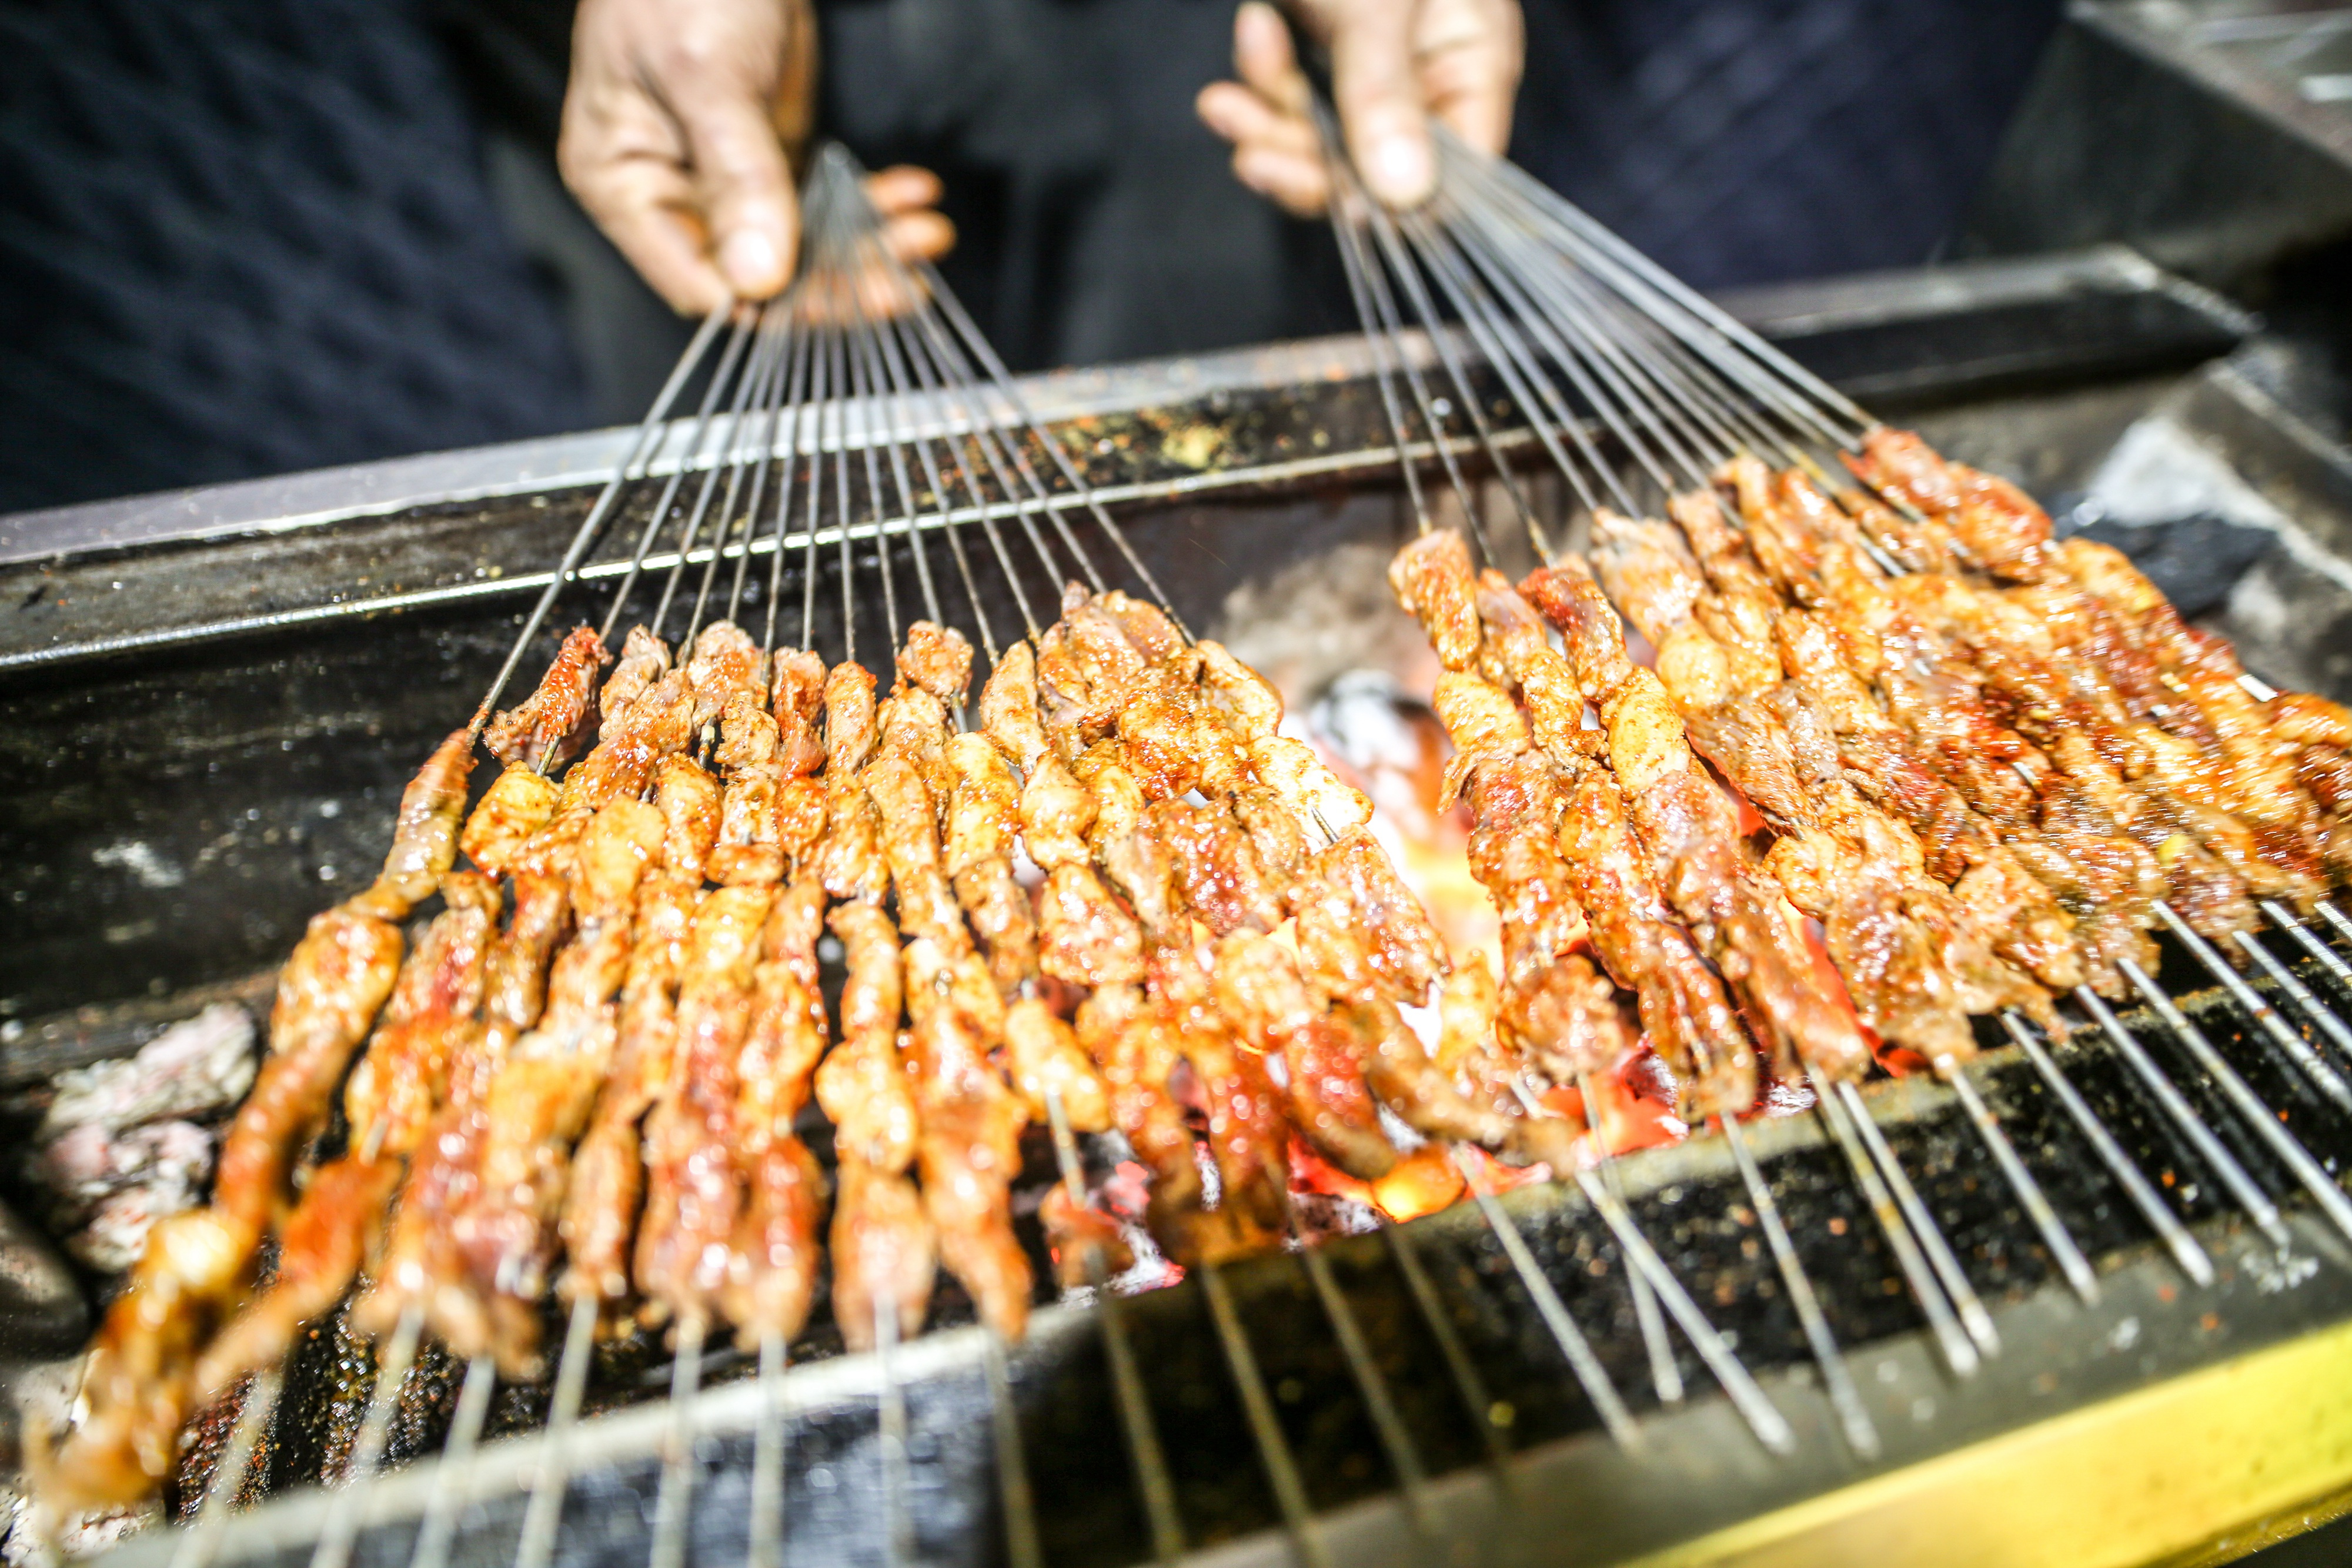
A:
{"x":203,"y":1065}
{"x":109,"y":1192}
{"x":115,"y":1152}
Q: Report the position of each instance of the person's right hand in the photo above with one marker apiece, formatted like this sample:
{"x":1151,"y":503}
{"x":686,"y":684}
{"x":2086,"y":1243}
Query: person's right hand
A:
{"x":677,"y":126}
{"x":1395,"y":65}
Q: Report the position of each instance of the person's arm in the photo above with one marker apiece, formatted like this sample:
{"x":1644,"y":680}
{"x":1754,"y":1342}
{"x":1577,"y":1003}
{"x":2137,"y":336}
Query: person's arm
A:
{"x":1395,"y":64}
{"x":676,"y":129}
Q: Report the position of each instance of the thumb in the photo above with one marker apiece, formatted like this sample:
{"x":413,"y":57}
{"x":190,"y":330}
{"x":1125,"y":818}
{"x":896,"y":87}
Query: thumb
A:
{"x":1380,"y":101}
{"x":746,"y":189}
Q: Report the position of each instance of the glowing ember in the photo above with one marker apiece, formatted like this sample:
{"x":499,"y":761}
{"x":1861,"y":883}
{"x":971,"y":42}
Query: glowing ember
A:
{"x":1492,"y":1175}
{"x":1422,"y":1183}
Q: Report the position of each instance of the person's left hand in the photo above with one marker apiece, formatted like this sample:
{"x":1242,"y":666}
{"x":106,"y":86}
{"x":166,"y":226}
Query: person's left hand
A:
{"x":1395,"y":64}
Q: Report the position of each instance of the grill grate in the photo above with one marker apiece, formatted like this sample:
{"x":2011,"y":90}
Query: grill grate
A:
{"x":1086,"y":1508}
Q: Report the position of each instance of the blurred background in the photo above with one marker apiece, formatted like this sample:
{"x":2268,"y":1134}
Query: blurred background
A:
{"x":254,"y":235}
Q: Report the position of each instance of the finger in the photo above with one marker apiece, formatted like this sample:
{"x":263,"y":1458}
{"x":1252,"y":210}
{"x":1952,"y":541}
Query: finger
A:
{"x":1471,"y":54}
{"x":667,"y":245}
{"x":1378,"y":96}
{"x":1247,"y":120}
{"x":902,"y":188}
{"x":1265,"y":59}
{"x":745,"y":189}
{"x":923,"y":235}
{"x":621,"y":160}
{"x":1300,"y":185}
{"x":644,"y":205}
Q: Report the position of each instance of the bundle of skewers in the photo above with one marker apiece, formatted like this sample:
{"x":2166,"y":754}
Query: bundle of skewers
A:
{"x":1839,"y":750}
{"x":1109,"y":897}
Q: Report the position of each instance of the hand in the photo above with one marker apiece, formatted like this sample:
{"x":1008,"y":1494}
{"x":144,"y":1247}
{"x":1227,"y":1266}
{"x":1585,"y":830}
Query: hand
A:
{"x":1394,"y":64}
{"x":676,"y":125}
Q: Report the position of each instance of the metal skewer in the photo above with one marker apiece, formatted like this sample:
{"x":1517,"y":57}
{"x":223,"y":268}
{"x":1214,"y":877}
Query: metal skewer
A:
{"x":537,"y":1542}
{"x":2241,"y":1188}
{"x":2247,"y":1104}
{"x":1151,"y":1475}
{"x":1960,"y":1350}
{"x":439,"y":1524}
{"x":1388,"y":1428}
{"x":670,"y":1503}
{"x":1940,"y":1257}
{"x":1837,"y":1379}
{"x":1491,"y":1418}
{"x":2323,"y":1077}
{"x":648,"y":437}
{"x":2153,"y":1208}
{"x":1020,"y":1546}
{"x":764,"y":1544}
{"x":2309,"y":1005}
{"x":1589,"y":1375}
{"x":890,"y":1435}
{"x":1265,"y":1427}
{"x":2320,"y":952}
{"x":1771,"y":1428}
{"x":1664,"y":1374}
{"x":2054,"y":1234}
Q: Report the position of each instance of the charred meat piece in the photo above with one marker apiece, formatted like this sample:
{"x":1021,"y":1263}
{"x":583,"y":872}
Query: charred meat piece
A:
{"x":556,"y":722}
{"x":982,"y":815}
{"x":1997,"y":525}
{"x":1262,"y":996}
{"x":516,"y":806}
{"x":937,"y":659}
{"x":694,"y":1189}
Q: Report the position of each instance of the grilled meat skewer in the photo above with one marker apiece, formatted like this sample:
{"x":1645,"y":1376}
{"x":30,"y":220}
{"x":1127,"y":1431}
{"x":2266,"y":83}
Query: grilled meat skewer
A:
{"x":140,"y":1378}
{"x":473,"y":1241}
{"x":883,"y":1244}
{"x":773,"y":1256}
{"x":971,"y":1123}
{"x":1553,"y":835}
{"x":1910,"y":962}
{"x":391,"y":1099}
{"x":559,"y":719}
{"x":1742,"y":921}
{"x":2164,"y":673}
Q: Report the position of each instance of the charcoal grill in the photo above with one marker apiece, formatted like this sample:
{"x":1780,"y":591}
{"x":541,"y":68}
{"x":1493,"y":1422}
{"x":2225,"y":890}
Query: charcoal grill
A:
{"x":238,"y":680}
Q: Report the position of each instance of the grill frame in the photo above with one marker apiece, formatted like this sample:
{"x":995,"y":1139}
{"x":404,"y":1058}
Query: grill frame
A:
{"x":2116,"y":325}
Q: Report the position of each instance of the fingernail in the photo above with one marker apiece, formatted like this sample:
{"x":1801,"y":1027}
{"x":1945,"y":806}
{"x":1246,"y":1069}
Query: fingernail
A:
{"x":750,"y":263}
{"x":1401,"y":173}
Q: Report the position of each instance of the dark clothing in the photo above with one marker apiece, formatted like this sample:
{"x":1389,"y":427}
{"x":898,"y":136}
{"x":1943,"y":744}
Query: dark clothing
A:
{"x":247,"y":236}
{"x":239,"y":237}
{"x":1748,"y":140}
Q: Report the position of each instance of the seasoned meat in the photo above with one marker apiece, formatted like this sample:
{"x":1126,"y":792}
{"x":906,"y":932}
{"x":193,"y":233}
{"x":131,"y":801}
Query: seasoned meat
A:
{"x":558,"y":720}
{"x":1008,"y":709}
{"x":693,"y":1187}
{"x":726,"y":664}
{"x":1433,"y":579}
{"x":969,"y":1148}
{"x":518,"y":804}
{"x":644,"y":659}
{"x":937,"y":659}
{"x":982,"y":815}
{"x":1267,"y":1004}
